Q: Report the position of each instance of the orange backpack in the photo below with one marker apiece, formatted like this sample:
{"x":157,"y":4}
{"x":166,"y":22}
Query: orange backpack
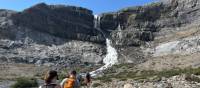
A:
{"x":69,"y":83}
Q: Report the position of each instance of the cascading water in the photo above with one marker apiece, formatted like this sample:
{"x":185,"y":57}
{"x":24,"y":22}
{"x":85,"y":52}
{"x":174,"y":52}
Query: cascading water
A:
{"x":96,"y":22}
{"x":111,"y":56}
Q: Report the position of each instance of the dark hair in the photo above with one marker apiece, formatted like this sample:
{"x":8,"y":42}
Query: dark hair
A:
{"x":50,"y":76}
{"x":88,"y":77}
{"x":73,"y":72}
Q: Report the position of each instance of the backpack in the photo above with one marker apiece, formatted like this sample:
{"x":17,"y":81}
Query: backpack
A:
{"x":48,"y":86}
{"x":70,"y":83}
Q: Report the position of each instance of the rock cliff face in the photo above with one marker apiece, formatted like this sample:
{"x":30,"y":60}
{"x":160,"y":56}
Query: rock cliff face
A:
{"x":149,"y":21}
{"x":50,"y":35}
{"x":150,"y":25}
{"x":67,"y":22}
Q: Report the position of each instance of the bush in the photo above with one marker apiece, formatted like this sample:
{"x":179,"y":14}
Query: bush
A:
{"x":24,"y":82}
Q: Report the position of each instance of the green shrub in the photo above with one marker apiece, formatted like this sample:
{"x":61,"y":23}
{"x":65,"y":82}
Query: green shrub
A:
{"x":196,"y":71}
{"x":170,"y":73}
{"x":24,"y":82}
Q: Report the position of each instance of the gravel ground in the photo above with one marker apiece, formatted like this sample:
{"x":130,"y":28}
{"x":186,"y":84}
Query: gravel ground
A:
{"x":6,"y":84}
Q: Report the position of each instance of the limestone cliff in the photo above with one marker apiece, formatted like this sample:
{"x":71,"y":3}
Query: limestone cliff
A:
{"x":150,"y":25}
{"x":50,"y":35}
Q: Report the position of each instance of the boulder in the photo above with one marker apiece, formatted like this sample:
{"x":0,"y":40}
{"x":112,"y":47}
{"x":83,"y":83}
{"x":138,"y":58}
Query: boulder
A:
{"x":128,"y":85}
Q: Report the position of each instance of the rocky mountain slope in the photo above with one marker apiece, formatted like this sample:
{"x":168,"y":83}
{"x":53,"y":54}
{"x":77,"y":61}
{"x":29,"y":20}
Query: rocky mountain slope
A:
{"x":50,"y":32}
{"x":172,"y":82}
{"x":151,"y":25}
{"x":156,"y":36}
{"x":44,"y":35}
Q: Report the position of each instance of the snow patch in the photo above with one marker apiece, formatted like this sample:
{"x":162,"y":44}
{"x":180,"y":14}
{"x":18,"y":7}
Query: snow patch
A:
{"x":166,"y":48}
{"x":184,"y":46}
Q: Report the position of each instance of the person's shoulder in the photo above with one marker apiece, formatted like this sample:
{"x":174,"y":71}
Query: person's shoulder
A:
{"x":65,"y":79}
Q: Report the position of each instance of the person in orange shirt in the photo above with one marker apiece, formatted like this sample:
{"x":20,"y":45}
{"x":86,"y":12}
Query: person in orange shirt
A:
{"x":70,"y":82}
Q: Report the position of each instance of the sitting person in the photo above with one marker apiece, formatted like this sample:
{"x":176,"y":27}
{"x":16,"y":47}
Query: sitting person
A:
{"x":51,"y":80}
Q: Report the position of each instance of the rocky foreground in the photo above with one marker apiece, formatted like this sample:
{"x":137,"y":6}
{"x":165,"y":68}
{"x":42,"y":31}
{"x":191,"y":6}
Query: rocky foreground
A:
{"x":172,"y":82}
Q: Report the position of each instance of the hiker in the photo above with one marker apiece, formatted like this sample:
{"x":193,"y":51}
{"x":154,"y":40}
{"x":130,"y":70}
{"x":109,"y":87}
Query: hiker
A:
{"x":70,"y":82}
{"x":51,"y":80}
{"x":80,"y":78}
{"x":87,"y":80}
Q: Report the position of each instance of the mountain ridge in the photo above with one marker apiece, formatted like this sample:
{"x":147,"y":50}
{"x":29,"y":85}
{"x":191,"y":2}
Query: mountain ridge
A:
{"x":156,"y":36}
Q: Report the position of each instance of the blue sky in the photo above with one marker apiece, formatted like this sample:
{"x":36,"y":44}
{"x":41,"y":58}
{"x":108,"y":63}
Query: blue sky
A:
{"x":98,"y":6}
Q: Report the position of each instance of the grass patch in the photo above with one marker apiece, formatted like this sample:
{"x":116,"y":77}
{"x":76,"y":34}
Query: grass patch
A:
{"x":24,"y":82}
{"x":147,"y":74}
{"x":123,"y":79}
{"x":105,"y":79}
{"x":62,"y":76}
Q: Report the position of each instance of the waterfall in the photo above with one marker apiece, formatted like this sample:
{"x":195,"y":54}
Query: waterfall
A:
{"x":109,"y":60}
{"x":111,"y":56}
{"x":119,"y":35}
{"x":119,"y":31}
{"x":97,"y":22}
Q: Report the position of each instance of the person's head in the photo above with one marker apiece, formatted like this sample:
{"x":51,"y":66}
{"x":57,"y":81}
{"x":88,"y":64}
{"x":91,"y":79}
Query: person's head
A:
{"x":73,"y":73}
{"x":51,"y":76}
